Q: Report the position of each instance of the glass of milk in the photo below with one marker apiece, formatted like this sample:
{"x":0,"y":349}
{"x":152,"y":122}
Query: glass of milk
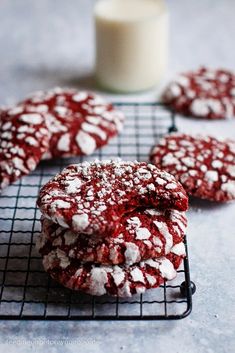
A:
{"x":131,"y":43}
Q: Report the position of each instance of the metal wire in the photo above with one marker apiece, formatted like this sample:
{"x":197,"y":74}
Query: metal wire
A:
{"x":27,"y":292}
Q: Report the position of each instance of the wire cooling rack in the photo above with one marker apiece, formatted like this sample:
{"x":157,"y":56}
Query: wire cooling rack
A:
{"x":27,"y":292}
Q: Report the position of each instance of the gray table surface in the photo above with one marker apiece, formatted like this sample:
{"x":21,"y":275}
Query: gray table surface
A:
{"x":50,"y":42}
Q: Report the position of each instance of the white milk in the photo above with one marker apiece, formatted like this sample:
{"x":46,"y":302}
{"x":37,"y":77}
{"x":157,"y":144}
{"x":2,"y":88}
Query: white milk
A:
{"x":131,"y":43}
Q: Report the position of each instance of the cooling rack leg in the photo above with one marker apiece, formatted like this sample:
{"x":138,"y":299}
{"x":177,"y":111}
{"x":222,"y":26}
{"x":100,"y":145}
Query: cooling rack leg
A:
{"x":184,"y":286}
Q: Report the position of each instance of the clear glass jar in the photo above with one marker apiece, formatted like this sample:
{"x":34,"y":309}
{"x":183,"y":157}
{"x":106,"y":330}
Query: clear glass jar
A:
{"x":131,"y":43}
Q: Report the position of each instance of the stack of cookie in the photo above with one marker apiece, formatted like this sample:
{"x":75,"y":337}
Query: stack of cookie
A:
{"x":52,"y":124}
{"x":112,"y":227}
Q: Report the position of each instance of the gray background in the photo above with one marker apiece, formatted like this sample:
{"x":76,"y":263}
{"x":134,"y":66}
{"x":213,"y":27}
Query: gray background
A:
{"x":50,"y":42}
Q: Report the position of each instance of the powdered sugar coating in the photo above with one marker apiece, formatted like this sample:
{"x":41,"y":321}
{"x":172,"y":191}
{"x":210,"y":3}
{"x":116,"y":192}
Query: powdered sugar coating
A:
{"x":79,"y":121}
{"x":204,"y":93}
{"x":103,"y":191}
{"x":24,"y":139}
{"x":122,"y":281}
{"x":205,"y":166}
{"x":166,"y":229}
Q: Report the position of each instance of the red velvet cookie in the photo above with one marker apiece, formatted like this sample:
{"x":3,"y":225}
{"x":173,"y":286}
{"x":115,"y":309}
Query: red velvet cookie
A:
{"x":115,"y":280}
{"x":24,"y":139}
{"x":79,"y":122}
{"x":141,"y":235}
{"x":204,"y":93}
{"x":204,"y":165}
{"x":92,"y":197}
